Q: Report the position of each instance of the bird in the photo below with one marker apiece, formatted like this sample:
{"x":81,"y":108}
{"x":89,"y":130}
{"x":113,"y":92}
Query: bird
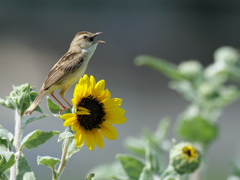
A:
{"x":69,"y":69}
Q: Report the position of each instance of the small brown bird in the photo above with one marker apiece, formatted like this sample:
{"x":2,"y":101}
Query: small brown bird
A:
{"x":69,"y":69}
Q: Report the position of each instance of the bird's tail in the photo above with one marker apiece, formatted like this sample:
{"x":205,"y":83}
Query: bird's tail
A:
{"x":35,"y":103}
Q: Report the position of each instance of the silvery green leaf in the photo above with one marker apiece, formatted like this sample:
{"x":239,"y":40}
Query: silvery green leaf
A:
{"x":197,"y":129}
{"x":90,"y":177}
{"x":135,"y":145}
{"x":24,"y":171}
{"x":167,"y":68}
{"x":7,"y":160}
{"x":146,"y":174}
{"x":38,"y":109}
{"x":162,"y":129}
{"x":6,"y":139}
{"x":72,"y":148}
{"x":133,"y":166}
{"x":64,"y":135}
{"x":29,"y":120}
{"x":48,"y":161}
{"x":53,"y":107}
{"x":2,"y":102}
{"x":36,"y":138}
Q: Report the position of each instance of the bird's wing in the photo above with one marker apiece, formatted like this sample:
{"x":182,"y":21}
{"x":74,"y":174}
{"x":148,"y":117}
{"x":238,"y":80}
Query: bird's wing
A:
{"x":67,"y":65}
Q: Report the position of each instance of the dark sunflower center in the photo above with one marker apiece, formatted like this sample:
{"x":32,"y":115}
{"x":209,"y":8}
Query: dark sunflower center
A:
{"x":188,"y":152}
{"x":97,"y":113}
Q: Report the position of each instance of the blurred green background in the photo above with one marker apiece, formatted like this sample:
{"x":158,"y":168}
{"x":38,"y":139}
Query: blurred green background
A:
{"x":35,"y":34}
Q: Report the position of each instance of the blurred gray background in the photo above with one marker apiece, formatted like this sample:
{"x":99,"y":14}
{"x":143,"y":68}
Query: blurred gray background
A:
{"x":35,"y":34}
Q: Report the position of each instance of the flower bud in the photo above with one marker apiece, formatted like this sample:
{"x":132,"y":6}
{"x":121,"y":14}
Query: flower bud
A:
{"x":227,"y":55}
{"x":184,"y":158}
{"x":190,"y":68}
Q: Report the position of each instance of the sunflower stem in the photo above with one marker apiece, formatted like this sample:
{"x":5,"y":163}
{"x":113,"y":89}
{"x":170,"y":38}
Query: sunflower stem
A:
{"x":64,"y":160}
{"x":17,"y":139}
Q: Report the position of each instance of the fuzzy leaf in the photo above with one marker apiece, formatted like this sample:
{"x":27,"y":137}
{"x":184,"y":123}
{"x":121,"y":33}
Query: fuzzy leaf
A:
{"x":38,"y":109}
{"x":24,"y":171}
{"x":197,"y":129}
{"x":29,"y":120}
{"x":162,"y":129}
{"x":133,"y":166}
{"x":53,"y":107}
{"x":36,"y":138}
{"x":72,"y":148}
{"x":135,"y":145}
{"x":7,"y":159}
{"x":146,"y":174}
{"x":48,"y":161}
{"x":64,"y":135}
{"x":167,"y":68}
{"x":6,"y":139}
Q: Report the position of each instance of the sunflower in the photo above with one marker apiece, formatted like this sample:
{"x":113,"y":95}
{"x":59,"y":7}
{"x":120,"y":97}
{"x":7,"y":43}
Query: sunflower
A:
{"x":96,"y":111}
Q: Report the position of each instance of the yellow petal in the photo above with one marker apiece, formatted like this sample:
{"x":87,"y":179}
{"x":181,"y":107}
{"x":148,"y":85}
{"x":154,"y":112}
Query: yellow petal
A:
{"x":115,"y":111}
{"x":115,"y":119}
{"x":90,"y":141}
{"x":114,"y":102}
{"x":92,"y":84}
{"x":75,"y":103}
{"x":83,"y":113}
{"x":79,"y":136}
{"x":83,"y":109}
{"x":75,"y":126}
{"x":99,"y":87}
{"x":104,"y":95}
{"x":69,"y":121}
{"x":107,"y":96}
{"x":98,"y":138}
{"x":108,"y":131}
{"x":68,"y":115}
{"x":76,"y":91}
{"x":86,"y":78}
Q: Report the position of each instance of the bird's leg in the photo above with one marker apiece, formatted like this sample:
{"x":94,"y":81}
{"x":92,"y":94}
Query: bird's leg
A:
{"x":62,"y":96}
{"x":58,"y":101}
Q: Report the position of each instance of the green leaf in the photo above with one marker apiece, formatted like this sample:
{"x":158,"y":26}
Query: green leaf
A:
{"x":146,"y":174}
{"x":48,"y":161}
{"x":167,"y":68}
{"x":72,"y":148}
{"x":36,"y":138}
{"x":53,"y":107}
{"x":90,"y":177}
{"x":162,"y":129}
{"x":152,"y":159}
{"x":197,"y":129}
{"x":38,"y":109}
{"x":7,"y":160}
{"x":6,"y":139}
{"x":135,"y":145}
{"x":2,"y":102}
{"x":132,"y":165}
{"x":24,"y":171}
{"x":29,"y":120}
{"x":64,"y":135}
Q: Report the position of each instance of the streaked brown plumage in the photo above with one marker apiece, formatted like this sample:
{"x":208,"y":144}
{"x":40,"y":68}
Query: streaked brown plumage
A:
{"x":69,"y":69}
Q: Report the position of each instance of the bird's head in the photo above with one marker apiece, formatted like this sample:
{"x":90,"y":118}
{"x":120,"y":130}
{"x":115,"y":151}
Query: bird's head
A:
{"x":85,"y":39}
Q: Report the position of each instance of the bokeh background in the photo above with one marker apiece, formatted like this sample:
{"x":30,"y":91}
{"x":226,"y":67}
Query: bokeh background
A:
{"x":35,"y":34}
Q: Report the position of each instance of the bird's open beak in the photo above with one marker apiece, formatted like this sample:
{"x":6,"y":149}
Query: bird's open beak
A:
{"x":96,"y":35}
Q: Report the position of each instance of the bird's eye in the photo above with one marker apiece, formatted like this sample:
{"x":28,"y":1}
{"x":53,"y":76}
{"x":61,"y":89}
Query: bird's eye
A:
{"x":85,"y":37}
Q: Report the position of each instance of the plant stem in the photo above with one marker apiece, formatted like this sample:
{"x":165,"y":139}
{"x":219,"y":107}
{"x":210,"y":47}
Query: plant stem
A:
{"x":17,"y":139}
{"x":63,"y":161}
